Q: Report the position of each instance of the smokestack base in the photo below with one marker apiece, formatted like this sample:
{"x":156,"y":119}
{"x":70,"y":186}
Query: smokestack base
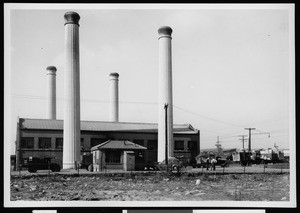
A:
{"x":71,"y":18}
{"x":165,"y":31}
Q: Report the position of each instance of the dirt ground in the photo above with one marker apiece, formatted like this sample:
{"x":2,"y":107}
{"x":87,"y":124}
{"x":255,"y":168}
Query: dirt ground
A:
{"x":152,"y":187}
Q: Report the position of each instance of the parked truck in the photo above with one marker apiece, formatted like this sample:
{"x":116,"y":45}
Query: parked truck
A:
{"x":35,"y":163}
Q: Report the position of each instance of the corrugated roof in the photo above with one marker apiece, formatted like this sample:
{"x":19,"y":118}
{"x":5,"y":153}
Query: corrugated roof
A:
{"x":118,"y":144}
{"x":105,"y":126}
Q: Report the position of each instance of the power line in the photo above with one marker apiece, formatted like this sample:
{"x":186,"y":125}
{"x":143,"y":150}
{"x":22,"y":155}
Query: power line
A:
{"x":213,"y":119}
{"x":129,"y":102}
{"x":233,"y":135}
{"x":155,"y":103}
{"x":83,"y":100}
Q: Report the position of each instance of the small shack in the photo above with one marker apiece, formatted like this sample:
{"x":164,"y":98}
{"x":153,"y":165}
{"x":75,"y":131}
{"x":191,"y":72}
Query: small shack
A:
{"x":119,"y":155}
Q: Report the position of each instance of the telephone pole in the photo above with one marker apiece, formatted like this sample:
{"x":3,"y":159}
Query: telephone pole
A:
{"x":243,"y":140}
{"x":218,"y":145}
{"x":249,"y":143}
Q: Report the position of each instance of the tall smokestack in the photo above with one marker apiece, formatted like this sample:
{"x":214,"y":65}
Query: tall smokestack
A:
{"x":51,"y":92}
{"x":165,"y":93}
{"x":114,"y":97}
{"x":71,"y":145}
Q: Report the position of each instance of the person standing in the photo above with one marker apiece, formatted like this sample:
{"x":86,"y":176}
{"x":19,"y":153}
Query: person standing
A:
{"x":213,"y":164}
{"x":207,"y":163}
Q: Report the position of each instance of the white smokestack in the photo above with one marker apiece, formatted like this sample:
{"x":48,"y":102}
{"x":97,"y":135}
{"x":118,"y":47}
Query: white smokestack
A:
{"x":71,"y":145}
{"x":165,"y":93}
{"x":51,"y":93}
{"x":114,"y":97}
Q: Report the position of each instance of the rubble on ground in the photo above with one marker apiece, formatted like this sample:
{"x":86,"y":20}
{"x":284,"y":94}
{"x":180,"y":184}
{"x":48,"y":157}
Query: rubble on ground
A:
{"x":151,"y":187}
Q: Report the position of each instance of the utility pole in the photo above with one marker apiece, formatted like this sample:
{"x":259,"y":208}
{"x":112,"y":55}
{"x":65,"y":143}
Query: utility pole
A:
{"x":249,"y":143}
{"x":243,"y":140}
{"x":218,"y":145}
{"x":166,"y":126}
{"x":275,"y":146}
{"x":278,"y":152}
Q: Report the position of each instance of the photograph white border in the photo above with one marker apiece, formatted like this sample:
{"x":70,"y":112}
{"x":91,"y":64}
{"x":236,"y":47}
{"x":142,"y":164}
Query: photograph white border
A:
{"x":7,"y":79}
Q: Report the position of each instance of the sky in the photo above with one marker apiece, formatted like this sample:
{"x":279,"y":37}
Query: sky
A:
{"x":231,"y":67}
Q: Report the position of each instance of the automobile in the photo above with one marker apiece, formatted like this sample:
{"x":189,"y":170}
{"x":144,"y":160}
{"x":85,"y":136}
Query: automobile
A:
{"x":35,"y":164}
{"x":151,"y":166}
{"x":173,"y":163}
{"x":87,"y":160}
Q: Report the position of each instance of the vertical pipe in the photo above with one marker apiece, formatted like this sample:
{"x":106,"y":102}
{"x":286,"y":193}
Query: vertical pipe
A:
{"x":71,"y":146}
{"x":51,"y":92}
{"x":114,"y":97}
{"x":165,"y":92}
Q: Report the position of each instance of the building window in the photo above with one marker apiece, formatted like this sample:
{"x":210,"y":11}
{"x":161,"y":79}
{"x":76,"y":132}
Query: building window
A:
{"x":192,"y":145}
{"x":44,"y":143}
{"x":27,"y":143}
{"x":179,"y":145}
{"x":139,"y":142}
{"x":59,"y":143}
{"x":82,"y":143}
{"x":152,"y":145}
{"x":113,"y":157}
{"x":97,"y":141}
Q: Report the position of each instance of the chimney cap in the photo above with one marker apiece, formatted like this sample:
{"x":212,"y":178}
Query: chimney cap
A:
{"x":114,"y":74}
{"x":51,"y":68}
{"x":71,"y":18}
{"x":165,"y":31}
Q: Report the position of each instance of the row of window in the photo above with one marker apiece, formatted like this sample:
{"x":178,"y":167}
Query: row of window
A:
{"x":179,"y":145}
{"x":45,"y":143}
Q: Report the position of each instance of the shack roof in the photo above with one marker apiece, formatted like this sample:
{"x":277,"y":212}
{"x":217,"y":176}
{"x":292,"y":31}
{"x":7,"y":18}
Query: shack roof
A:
{"x":104,"y":126}
{"x":118,"y":144}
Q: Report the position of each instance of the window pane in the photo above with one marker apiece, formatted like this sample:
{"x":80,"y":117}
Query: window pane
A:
{"x":30,"y":144}
{"x":192,"y":145}
{"x":44,"y":143}
{"x":179,"y":145}
{"x":113,"y":157}
{"x":27,"y":143}
{"x":59,"y":143}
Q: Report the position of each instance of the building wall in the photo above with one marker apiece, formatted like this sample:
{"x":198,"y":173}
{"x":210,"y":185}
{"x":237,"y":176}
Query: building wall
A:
{"x":99,"y":163}
{"x":148,"y":140}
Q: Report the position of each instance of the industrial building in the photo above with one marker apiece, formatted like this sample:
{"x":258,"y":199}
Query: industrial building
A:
{"x":44,"y":138}
{"x":67,"y":141}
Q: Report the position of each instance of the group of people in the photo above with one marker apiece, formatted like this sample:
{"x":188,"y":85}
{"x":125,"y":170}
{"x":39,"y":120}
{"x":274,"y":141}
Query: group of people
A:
{"x":211,"y":161}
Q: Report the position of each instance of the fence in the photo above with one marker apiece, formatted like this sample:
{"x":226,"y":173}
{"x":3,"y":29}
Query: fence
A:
{"x":47,"y":169}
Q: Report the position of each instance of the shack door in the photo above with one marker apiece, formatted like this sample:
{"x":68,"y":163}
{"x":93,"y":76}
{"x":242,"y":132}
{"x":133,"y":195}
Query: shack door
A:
{"x":129,"y":160}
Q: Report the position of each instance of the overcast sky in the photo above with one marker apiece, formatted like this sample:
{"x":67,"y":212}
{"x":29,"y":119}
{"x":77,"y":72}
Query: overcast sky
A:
{"x":231,"y":66}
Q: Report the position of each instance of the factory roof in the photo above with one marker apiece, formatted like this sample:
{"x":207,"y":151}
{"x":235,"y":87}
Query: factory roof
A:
{"x":104,"y":126}
{"x":118,"y":144}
